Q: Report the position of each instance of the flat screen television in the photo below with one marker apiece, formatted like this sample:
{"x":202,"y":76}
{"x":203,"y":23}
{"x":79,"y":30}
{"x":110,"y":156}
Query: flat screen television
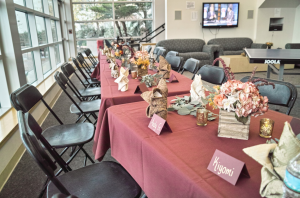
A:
{"x":220,"y":15}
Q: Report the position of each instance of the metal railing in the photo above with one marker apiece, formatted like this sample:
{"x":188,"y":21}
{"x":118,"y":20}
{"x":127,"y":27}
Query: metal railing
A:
{"x":146,"y":39}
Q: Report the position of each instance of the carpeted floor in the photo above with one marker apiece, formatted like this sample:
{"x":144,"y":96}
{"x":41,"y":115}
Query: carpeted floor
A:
{"x":27,"y":179}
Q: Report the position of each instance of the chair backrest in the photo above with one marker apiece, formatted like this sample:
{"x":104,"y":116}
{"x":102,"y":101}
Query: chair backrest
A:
{"x":67,"y":69}
{"x":61,"y":80}
{"x":79,"y":68}
{"x":87,"y":52}
{"x":284,"y":94}
{"x":212,"y":74}
{"x":175,"y":62}
{"x":156,"y":49}
{"x":191,"y":65}
{"x":172,"y":53}
{"x":25,"y":97}
{"x":148,"y":48}
{"x":36,"y":151}
{"x":292,"y":46}
{"x":161,"y":52}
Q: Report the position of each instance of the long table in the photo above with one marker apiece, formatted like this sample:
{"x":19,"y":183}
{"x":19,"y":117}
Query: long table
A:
{"x":174,"y":165}
{"x":110,"y":96}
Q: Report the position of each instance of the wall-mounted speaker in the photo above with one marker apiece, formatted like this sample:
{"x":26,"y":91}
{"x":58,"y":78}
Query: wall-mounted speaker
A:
{"x":250,"y":14}
{"x":177,"y":14}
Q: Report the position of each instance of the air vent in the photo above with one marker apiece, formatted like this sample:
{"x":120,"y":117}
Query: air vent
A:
{"x":177,"y":14}
{"x":250,"y":14}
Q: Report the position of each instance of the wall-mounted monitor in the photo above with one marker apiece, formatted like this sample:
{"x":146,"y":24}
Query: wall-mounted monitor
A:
{"x":276,"y":24}
{"x":220,"y":15}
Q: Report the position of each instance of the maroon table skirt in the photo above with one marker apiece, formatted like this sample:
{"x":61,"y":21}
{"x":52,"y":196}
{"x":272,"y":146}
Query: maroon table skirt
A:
{"x":110,"y":96}
{"x":175,"y":164}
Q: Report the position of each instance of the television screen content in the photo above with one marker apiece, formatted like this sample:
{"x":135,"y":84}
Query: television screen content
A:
{"x":220,"y":15}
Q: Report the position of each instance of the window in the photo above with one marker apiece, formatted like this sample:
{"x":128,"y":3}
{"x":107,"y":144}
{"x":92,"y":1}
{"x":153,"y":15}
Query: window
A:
{"x":45,"y":59}
{"x":30,"y":71}
{"x":54,"y":30}
{"x":20,"y":2}
{"x":51,"y":10}
{"x":109,"y":19}
{"x":41,"y":30}
{"x":57,"y":56}
{"x":37,"y":5}
{"x":23,"y":29}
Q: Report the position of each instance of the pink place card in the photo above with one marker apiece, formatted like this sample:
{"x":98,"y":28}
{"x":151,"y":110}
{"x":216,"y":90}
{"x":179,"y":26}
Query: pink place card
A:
{"x":141,"y":88}
{"x":227,"y":167}
{"x":158,"y":124}
{"x":173,"y":79}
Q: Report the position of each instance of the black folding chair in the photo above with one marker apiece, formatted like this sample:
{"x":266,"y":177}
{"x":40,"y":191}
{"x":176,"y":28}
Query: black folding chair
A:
{"x":212,"y":74}
{"x":148,"y":49}
{"x":161,"y":52}
{"x":81,"y":108}
{"x":60,"y":136}
{"x":284,"y":94}
{"x":87,"y":82}
{"x":84,"y":64}
{"x":175,"y":62}
{"x":191,"y":65}
{"x":91,"y":57}
{"x":85,"y":93}
{"x":104,"y":179}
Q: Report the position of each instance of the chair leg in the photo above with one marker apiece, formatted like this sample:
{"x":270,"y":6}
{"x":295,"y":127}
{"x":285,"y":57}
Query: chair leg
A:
{"x":144,"y":196}
{"x":87,"y":155}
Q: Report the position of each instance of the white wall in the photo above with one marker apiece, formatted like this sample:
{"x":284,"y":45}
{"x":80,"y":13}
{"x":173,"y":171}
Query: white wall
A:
{"x":159,"y":19}
{"x":280,"y":38}
{"x":186,"y":28}
{"x":296,"y":34}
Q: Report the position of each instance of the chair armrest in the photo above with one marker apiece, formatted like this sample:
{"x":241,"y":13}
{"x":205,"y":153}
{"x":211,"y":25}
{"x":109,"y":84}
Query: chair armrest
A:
{"x":258,"y":46}
{"x":213,"y":50}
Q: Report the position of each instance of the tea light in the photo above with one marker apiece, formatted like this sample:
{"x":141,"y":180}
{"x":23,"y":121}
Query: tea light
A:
{"x":202,"y":115}
{"x":134,"y":74}
{"x":266,"y":128}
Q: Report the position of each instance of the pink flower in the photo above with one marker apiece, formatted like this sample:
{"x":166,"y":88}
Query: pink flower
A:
{"x":218,"y":100}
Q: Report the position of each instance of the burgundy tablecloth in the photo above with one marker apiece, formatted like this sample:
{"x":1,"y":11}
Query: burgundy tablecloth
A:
{"x":175,"y":164}
{"x":110,"y":95}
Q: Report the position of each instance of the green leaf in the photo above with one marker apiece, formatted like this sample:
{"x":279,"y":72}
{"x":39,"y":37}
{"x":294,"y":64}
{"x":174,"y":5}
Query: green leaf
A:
{"x":194,"y":109}
{"x":171,"y":109}
{"x":211,"y":118}
{"x":195,"y":102}
{"x":188,"y":106}
{"x":183,"y":111}
{"x":204,"y":100}
{"x":194,"y":113}
{"x":176,"y":107}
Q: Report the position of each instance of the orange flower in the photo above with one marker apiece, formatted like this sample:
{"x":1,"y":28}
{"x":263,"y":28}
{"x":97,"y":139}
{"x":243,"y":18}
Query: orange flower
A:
{"x":218,"y":99}
{"x":121,"y":52}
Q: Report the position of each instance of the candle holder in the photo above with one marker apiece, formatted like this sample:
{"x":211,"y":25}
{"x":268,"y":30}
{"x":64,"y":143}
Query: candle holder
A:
{"x":266,"y":128}
{"x":202,"y":115}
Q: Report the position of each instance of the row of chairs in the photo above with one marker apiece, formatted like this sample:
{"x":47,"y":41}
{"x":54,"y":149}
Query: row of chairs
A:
{"x":107,"y":179}
{"x":284,"y":94}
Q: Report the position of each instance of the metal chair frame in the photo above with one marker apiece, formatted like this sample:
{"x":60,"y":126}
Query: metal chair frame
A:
{"x":91,"y":57}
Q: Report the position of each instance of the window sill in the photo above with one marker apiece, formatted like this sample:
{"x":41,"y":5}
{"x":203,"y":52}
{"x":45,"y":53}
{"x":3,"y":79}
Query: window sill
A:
{"x":9,"y":119}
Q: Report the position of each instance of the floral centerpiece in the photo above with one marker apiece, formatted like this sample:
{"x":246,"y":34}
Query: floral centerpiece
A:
{"x":123,"y":52}
{"x":269,"y":44}
{"x":141,"y":59}
{"x":237,"y":101}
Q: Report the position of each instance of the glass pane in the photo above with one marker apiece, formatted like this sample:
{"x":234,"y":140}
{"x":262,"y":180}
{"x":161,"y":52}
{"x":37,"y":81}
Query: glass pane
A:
{"x":54,"y":30}
{"x":23,"y":29}
{"x":57,"y":55}
{"x":45,"y":58}
{"x":20,"y":2}
{"x":94,"y":30}
{"x":29,"y":67}
{"x":41,"y":30}
{"x":37,"y":5}
{"x":51,"y":10}
{"x":133,"y":28}
{"x":133,"y":10}
{"x":91,"y":0}
{"x":88,"y":12}
{"x":83,"y":45}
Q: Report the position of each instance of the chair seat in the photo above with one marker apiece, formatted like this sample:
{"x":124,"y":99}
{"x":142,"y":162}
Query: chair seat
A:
{"x":90,"y":92}
{"x":61,"y":136}
{"x":105,"y":179}
{"x":92,"y":81}
{"x":238,"y":52}
{"x":86,"y":106}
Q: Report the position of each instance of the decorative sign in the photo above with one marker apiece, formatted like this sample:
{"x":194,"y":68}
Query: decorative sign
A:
{"x":157,"y":124}
{"x":227,"y":167}
{"x":141,"y":88}
{"x":190,"y":5}
{"x":173,"y":79}
{"x":194,"y":16}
